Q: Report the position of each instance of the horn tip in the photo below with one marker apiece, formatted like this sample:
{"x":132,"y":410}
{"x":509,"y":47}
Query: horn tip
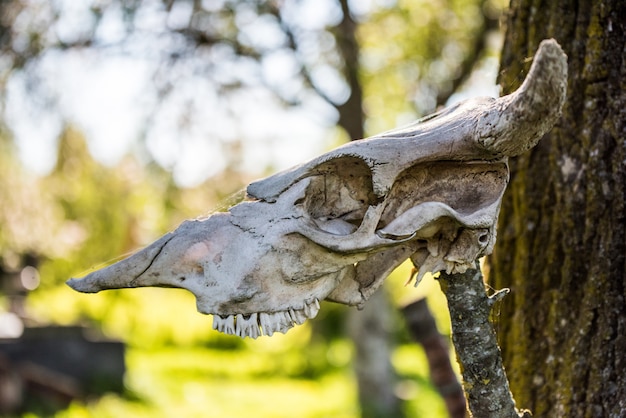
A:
{"x":551,"y":50}
{"x":82,"y":285}
{"x":524,"y":116}
{"x":550,"y":43}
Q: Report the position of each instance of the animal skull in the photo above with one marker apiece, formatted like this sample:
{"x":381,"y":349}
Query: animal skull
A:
{"x":335,"y":227}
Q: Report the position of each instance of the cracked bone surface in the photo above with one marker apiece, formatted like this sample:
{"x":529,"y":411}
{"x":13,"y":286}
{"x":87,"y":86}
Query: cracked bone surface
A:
{"x":333,"y":228}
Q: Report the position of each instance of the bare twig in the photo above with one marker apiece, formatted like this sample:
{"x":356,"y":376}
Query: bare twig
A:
{"x":475,"y":55}
{"x":474,"y":338}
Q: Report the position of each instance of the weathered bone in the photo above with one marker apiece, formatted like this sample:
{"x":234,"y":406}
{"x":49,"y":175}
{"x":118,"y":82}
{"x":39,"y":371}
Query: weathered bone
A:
{"x":335,"y":227}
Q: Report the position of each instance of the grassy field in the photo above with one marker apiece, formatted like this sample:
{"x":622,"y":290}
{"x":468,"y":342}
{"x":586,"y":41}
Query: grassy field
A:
{"x":202,"y":382}
{"x":303,"y":374}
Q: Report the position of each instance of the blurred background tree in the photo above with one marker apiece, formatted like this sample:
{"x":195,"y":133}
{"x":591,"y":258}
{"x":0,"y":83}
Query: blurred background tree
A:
{"x":121,"y":118}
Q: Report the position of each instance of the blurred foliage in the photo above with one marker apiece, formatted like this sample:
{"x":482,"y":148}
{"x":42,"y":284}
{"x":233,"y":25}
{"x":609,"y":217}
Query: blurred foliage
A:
{"x":417,"y":53}
{"x":111,"y":212}
{"x":28,"y":215}
{"x":414,"y":54}
{"x":195,"y":382}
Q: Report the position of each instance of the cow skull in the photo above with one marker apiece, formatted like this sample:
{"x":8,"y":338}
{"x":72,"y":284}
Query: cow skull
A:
{"x":335,"y":227}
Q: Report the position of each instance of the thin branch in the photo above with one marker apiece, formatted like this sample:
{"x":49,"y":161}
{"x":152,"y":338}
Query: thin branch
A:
{"x":351,"y":111}
{"x":467,"y":66}
{"x":478,"y":353}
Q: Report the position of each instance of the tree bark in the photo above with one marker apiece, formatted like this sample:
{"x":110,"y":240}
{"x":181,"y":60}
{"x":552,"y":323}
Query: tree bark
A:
{"x":477,"y":351}
{"x":561,"y":247}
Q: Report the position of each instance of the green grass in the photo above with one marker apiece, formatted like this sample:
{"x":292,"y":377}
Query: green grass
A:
{"x":201,"y":382}
{"x":301,"y":374}
{"x":204,"y":382}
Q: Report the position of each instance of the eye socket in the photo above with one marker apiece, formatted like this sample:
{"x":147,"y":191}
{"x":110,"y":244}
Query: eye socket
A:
{"x":484,"y":238}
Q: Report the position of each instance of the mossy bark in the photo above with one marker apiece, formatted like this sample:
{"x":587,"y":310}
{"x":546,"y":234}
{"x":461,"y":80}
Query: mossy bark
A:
{"x":561,"y":247}
{"x":474,"y":338}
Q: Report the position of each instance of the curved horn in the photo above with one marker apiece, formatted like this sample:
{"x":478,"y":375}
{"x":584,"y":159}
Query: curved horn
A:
{"x":523,"y":117}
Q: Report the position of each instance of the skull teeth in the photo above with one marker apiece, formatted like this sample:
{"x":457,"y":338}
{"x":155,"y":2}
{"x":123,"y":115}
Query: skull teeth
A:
{"x":297,"y":316}
{"x":265,"y":323}
{"x":247,"y":326}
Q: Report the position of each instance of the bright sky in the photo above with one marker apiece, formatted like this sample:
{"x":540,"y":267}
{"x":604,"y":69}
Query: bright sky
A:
{"x":109,"y":101}
{"x":109,"y":97}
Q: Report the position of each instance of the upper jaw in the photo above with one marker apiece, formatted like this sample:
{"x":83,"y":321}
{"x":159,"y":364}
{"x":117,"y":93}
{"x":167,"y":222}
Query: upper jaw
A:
{"x":266,"y":323}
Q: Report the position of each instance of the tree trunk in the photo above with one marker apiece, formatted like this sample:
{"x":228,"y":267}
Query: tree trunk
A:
{"x":371,"y":330}
{"x":562,"y":232}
